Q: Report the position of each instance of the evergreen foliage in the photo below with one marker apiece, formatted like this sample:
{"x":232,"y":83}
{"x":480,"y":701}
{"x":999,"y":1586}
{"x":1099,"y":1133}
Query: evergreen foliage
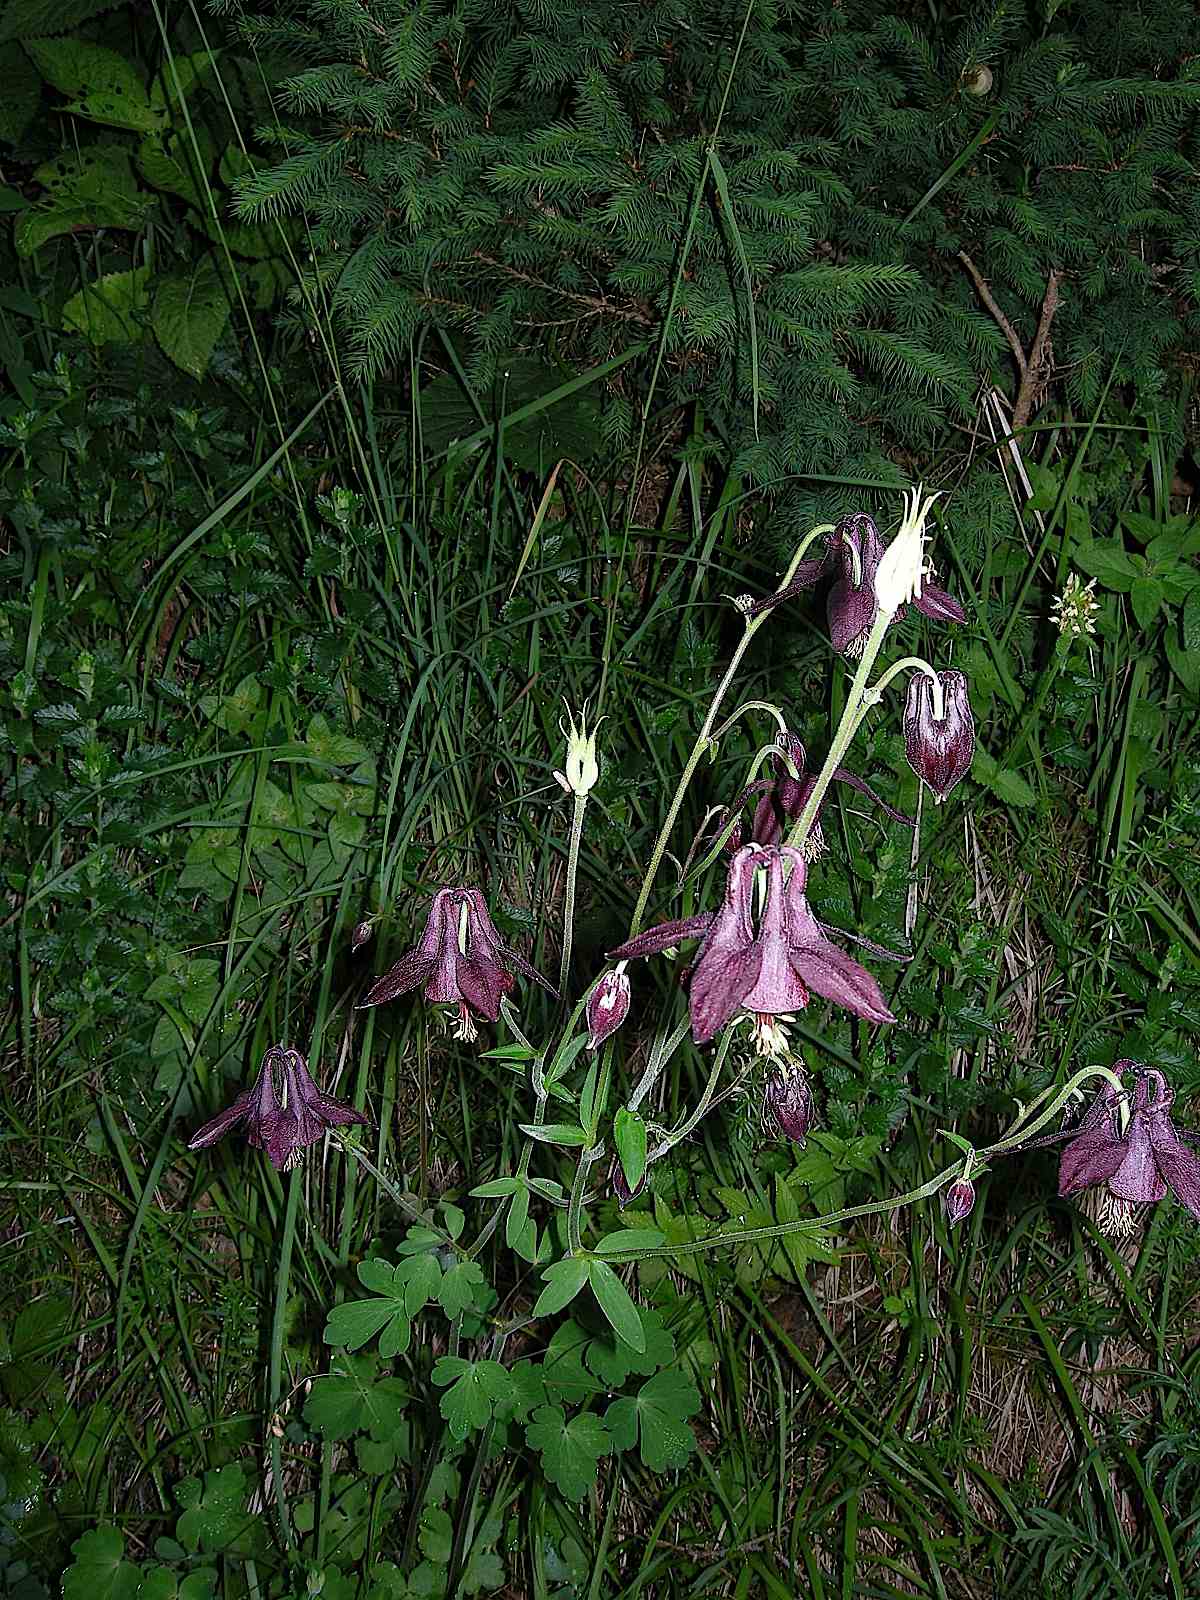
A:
{"x":516,"y":175}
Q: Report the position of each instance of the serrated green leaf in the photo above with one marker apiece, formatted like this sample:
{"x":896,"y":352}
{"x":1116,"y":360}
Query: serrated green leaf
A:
{"x":614,"y":1300}
{"x":352,"y":1399}
{"x":76,"y":67}
{"x":99,"y":1570}
{"x":189,"y":316}
{"x":475,"y":1389}
{"x":110,"y":310}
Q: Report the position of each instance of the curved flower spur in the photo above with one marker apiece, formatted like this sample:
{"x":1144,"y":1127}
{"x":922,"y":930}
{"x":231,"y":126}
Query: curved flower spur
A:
{"x":460,"y":960}
{"x":764,"y":967}
{"x":786,"y":797}
{"x":283,"y":1113}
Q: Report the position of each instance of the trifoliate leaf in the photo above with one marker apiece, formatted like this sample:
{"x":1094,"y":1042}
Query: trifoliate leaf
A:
{"x":476,"y":1387}
{"x":656,"y":1419}
{"x":457,"y":1289}
{"x":569,"y":1450}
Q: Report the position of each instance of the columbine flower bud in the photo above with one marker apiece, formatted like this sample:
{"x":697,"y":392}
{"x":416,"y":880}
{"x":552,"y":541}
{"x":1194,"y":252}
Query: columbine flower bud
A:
{"x":939,"y":749}
{"x":788,"y":1102}
{"x":363,"y":933}
{"x":608,"y":1006}
{"x":901,"y":569}
{"x":583,"y":770}
{"x":959,"y":1201}
{"x":620,"y":1187}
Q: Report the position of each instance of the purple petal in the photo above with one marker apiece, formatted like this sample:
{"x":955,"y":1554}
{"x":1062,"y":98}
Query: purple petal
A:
{"x":1091,"y":1158}
{"x":850,"y":613}
{"x":607,"y":1007}
{"x":719,"y":984}
{"x":483,"y":986}
{"x":332,"y":1113}
{"x":1138,"y":1177}
{"x":510,"y":958}
{"x":844,"y":775}
{"x":410,"y":972}
{"x":223,"y":1123}
{"x":835,"y":976}
{"x":666,"y":934}
{"x":1178,"y":1165}
{"x":936,"y":604}
{"x":806,"y":574}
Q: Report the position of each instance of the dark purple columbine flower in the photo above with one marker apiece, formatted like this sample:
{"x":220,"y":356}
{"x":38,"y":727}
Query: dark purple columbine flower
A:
{"x":460,"y":960}
{"x":939,"y":752}
{"x":788,"y":1101}
{"x":959,"y":1201}
{"x":855,"y":544}
{"x":787,"y":797}
{"x":1139,"y":1165}
{"x":768,"y":967}
{"x":607,"y":1006}
{"x":283,"y":1113}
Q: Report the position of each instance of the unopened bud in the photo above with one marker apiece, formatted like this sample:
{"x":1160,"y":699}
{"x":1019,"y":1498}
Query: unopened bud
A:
{"x":959,"y":1201}
{"x":363,"y":933}
{"x":608,"y":1006}
{"x":625,"y":1195}
{"x":789,"y":1102}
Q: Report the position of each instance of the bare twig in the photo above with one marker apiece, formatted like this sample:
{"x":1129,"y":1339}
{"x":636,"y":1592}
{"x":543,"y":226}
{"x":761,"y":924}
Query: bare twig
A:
{"x":1032,"y":369}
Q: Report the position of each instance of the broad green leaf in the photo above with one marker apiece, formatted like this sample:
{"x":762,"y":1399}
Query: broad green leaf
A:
{"x":613,"y":1299}
{"x":27,"y":19}
{"x":569,"y":1450}
{"x":564,"y":1280}
{"x":1009,"y":786}
{"x":190,"y":313}
{"x":75,"y":67}
{"x":420,"y":1276}
{"x":165,"y":163}
{"x":1191,"y":623}
{"x":215,"y":1516}
{"x":99,"y":1570}
{"x":356,"y":1322}
{"x":656,"y":1420}
{"x":1146,"y":598}
{"x":112,"y":108}
{"x":495,"y":1189}
{"x":629,"y":1135}
{"x":612,"y":1360}
{"x":110,"y":310}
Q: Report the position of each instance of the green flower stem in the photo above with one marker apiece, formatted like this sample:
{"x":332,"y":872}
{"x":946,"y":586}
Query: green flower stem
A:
{"x":569,"y":897}
{"x":856,"y":709}
{"x":399,"y":1199}
{"x":874,"y":694}
{"x":275,"y":1368}
{"x":750,"y":705}
{"x":702,"y":1105}
{"x":662,"y":1052}
{"x":704,"y":739}
{"x":1023,"y":1130}
{"x":587,"y":1159}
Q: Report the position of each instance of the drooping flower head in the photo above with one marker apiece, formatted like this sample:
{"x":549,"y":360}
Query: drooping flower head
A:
{"x":940,"y":750}
{"x":762,"y":961}
{"x":607,"y":1006}
{"x":283,"y":1113}
{"x":460,"y":960}
{"x":786,"y":798}
{"x":856,"y":548}
{"x":1138,"y":1164}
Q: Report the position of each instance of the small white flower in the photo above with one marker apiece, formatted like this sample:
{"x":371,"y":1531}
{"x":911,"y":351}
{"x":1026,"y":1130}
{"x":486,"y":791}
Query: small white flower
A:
{"x":583,"y":770}
{"x":1076,"y":608}
{"x":901,"y":570}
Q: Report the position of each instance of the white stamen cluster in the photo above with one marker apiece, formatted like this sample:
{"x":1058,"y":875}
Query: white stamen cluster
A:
{"x":1076,"y":608}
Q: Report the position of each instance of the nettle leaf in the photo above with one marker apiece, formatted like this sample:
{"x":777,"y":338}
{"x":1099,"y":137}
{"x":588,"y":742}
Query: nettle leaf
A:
{"x":75,"y":67}
{"x":99,"y":1570}
{"x":189,"y":316}
{"x":109,"y":310}
{"x":351,"y":1398}
{"x":656,"y":1420}
{"x":476,"y":1388}
{"x":614,"y":1300}
{"x":569,"y":1450}
{"x":457,"y":1289}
